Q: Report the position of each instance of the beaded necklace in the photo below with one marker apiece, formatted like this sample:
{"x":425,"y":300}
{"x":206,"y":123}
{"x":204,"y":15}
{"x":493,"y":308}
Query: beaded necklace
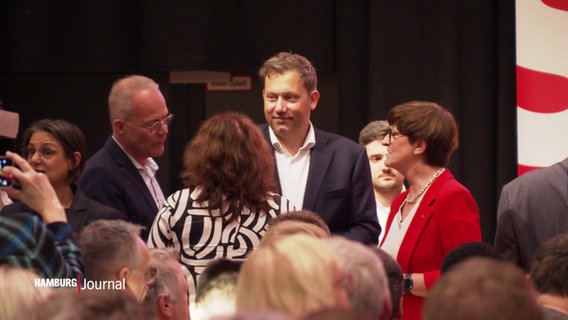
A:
{"x":424,"y":188}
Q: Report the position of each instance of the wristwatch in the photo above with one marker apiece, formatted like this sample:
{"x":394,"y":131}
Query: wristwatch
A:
{"x":408,"y":283}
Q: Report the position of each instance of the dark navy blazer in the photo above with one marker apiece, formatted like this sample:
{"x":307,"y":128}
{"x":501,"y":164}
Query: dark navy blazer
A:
{"x":110,"y":178}
{"x":339,"y":186}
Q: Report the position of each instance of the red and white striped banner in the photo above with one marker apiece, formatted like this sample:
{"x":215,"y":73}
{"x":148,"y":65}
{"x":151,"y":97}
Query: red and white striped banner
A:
{"x":542,"y":83}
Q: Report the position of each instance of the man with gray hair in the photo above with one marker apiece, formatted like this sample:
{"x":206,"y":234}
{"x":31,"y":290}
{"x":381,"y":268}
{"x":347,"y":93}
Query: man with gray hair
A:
{"x":387,"y":182}
{"x":366,"y":281}
{"x":114,"y":252}
{"x":168,"y":296}
{"x":122,"y":173}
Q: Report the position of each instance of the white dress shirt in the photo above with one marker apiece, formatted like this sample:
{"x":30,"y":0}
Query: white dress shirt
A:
{"x":148,"y":174}
{"x":293,"y":169}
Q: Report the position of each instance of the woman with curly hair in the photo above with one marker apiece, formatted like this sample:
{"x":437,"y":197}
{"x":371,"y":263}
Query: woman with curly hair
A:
{"x":228,"y":200}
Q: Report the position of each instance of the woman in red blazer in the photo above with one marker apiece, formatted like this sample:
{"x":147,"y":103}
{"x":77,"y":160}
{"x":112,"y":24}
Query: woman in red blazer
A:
{"x":436,"y":213}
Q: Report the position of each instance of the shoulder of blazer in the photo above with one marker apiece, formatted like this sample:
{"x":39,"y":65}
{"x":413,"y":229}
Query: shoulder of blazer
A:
{"x":116,"y":152}
{"x":325,"y":139}
{"x":556,"y":174}
{"x":564,"y":164}
{"x":437,"y":185}
{"x":114,"y":161}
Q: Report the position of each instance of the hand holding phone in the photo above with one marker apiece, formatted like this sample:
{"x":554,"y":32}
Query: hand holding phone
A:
{"x":33,"y":189}
{"x":5,"y":181}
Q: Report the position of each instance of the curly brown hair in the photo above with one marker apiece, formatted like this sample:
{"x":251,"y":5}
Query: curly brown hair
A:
{"x":231,"y":163}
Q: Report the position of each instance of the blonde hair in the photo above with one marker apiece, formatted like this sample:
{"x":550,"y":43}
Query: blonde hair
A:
{"x":20,"y":296}
{"x":294,"y":275}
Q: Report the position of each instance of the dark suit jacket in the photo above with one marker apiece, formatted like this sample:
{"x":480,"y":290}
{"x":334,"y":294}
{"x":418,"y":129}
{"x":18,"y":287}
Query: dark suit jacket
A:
{"x":532,"y":209}
{"x":110,"y":178}
{"x":447,"y":217}
{"x":339,"y":187}
{"x":82,"y":212}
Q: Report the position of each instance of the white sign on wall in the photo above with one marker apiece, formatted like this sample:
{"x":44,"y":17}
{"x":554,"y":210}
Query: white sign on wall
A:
{"x":236,"y":83}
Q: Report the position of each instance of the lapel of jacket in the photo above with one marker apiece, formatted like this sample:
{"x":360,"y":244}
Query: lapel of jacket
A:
{"x":127,"y":168}
{"x":78,"y":203}
{"x":264,"y":128}
{"x":320,"y":159}
{"x":422,"y":216}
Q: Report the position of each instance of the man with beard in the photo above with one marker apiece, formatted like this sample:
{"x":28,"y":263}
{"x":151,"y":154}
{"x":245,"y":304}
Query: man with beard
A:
{"x":387,"y":182}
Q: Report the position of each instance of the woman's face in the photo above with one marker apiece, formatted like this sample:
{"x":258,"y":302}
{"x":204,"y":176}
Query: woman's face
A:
{"x":45,"y":154}
{"x":399,"y":149}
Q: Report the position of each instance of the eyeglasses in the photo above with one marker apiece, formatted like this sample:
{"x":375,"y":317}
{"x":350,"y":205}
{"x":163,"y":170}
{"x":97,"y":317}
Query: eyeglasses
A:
{"x":156,"y":126}
{"x":44,"y":152}
{"x":393,"y":135}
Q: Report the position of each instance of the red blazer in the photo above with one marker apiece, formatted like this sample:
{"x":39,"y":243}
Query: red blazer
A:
{"x":447,"y":217}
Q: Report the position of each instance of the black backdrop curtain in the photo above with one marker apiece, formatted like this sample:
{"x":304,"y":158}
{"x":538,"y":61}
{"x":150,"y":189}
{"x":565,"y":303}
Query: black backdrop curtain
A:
{"x":459,"y":53}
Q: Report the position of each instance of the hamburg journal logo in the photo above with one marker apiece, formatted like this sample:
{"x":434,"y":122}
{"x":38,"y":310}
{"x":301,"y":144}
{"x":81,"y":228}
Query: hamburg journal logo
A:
{"x":80,"y":283}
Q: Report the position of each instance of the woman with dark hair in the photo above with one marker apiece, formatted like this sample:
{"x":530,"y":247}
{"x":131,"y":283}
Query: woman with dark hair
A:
{"x":229,"y":196}
{"x":56,"y":148}
{"x":436,"y":213}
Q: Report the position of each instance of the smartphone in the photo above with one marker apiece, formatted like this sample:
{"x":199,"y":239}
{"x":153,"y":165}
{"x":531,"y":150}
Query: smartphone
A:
{"x":5,"y":181}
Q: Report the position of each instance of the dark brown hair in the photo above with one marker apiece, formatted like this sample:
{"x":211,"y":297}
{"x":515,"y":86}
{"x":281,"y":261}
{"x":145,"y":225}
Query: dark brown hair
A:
{"x":428,"y":121}
{"x":549,"y":266}
{"x":232,"y":164}
{"x":396,"y":278}
{"x":374,"y":130}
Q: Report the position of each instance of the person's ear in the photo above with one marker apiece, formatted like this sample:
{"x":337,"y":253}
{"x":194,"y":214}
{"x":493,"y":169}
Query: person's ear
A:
{"x":118,"y":126}
{"x":420,"y":146}
{"x":75,"y":160}
{"x":165,"y":307}
{"x":123,"y":274}
{"x":314,"y":97}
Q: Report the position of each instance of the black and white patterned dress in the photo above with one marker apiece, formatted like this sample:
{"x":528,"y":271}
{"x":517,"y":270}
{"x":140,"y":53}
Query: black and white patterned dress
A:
{"x":201,"y":237}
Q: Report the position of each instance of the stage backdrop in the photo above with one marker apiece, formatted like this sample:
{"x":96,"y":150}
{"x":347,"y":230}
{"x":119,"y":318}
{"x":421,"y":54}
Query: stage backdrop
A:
{"x":542,"y":82}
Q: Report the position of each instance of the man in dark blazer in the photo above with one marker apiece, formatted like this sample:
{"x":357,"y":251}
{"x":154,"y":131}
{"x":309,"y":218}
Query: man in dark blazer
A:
{"x":532,"y":209}
{"x":316,"y":170}
{"x":122,"y":173}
